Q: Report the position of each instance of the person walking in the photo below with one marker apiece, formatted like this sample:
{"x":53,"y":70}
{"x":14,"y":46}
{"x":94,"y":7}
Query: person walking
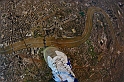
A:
{"x":59,"y":64}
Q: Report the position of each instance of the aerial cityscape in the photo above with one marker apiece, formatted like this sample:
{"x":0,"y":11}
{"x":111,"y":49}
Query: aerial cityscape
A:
{"x":89,"y":32}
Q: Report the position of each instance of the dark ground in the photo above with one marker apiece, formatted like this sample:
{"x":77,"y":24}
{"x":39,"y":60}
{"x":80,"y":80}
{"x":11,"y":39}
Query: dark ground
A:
{"x":99,"y":59}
